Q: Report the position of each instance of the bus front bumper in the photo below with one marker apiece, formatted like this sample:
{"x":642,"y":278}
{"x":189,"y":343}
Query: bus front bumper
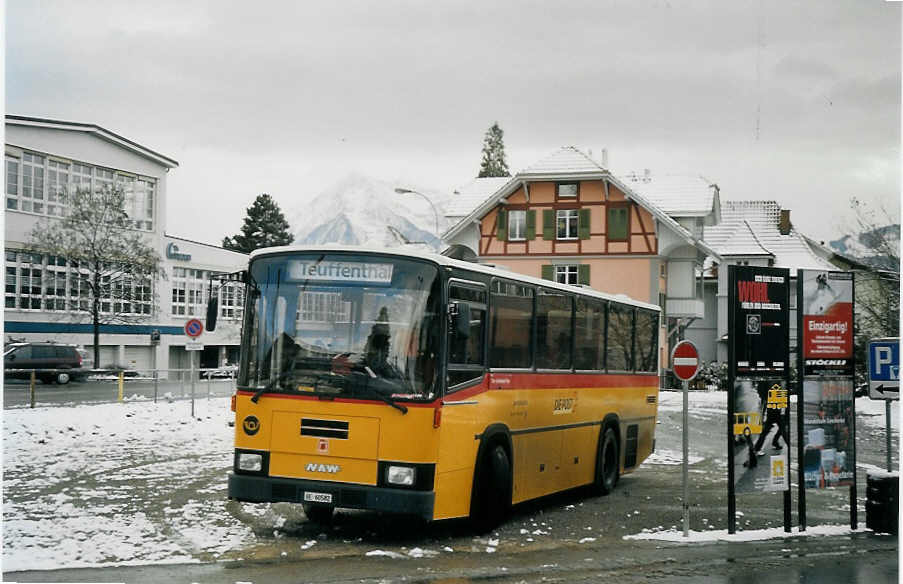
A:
{"x":260,"y":489}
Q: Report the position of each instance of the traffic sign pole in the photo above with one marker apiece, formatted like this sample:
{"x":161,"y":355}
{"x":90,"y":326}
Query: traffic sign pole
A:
{"x":887,"y":433}
{"x":685,"y":364}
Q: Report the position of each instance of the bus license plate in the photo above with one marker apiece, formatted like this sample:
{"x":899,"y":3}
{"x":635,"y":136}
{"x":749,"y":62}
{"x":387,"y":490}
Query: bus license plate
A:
{"x":318,"y":497}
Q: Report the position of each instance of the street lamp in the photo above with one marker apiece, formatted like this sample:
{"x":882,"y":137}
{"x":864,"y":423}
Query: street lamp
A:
{"x":403,"y":191}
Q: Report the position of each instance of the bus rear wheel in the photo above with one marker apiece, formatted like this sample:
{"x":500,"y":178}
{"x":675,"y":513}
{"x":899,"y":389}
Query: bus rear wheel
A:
{"x":607,"y":463}
{"x":492,"y":490}
{"x":319,"y":513}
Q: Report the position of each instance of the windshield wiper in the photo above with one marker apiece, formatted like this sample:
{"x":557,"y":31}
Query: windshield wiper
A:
{"x":380,"y":395}
{"x":269,"y":386}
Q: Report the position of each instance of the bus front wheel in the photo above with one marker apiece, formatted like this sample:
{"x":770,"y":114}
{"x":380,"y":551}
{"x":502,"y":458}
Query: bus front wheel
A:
{"x":492,"y":493}
{"x":318,"y":513}
{"x":607,"y":466}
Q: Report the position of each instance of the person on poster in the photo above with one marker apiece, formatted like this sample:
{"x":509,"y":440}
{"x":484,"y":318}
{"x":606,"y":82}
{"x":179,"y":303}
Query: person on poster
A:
{"x":822,"y":298}
{"x":773,"y":417}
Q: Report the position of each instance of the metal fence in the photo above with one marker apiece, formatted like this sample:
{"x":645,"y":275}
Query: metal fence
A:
{"x":126,"y":384}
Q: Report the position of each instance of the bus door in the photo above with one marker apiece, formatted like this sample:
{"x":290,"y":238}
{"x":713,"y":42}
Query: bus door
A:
{"x":466,"y":368}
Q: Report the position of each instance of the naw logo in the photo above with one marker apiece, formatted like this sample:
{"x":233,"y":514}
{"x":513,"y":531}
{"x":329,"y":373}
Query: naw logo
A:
{"x":324,"y":468}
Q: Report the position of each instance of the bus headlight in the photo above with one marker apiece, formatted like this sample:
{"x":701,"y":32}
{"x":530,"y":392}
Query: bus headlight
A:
{"x":400,"y":475}
{"x":250,"y":461}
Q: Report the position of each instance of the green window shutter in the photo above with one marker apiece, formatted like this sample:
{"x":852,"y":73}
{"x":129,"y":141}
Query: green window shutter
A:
{"x":548,"y":224}
{"x":548,"y":272}
{"x":502,"y":222}
{"x":583,"y":274}
{"x":531,"y":225}
{"x":617,"y":223}
{"x":583,"y":224}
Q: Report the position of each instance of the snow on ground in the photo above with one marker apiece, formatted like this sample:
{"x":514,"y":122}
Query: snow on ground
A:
{"x":677,"y":536}
{"x":125,"y":483}
{"x":141,"y":483}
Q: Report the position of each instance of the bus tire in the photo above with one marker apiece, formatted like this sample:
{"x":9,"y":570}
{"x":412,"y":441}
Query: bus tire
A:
{"x":321,"y":514}
{"x":607,"y":461}
{"x":492,"y":495}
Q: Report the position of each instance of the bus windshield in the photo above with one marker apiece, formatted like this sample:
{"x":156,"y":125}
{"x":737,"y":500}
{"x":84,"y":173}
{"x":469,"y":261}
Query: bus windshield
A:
{"x":343,"y":325}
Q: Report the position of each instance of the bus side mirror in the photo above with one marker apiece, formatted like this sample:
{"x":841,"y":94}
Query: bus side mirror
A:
{"x":460,"y":319}
{"x":212,"y":312}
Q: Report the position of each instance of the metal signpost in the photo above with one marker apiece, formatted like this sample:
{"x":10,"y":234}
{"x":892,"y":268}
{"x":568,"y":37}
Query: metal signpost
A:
{"x":194,"y":328}
{"x":884,"y":379}
{"x":685,"y":364}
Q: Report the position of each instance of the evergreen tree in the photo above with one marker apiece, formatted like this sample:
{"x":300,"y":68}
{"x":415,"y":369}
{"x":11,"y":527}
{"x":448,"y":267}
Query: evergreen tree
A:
{"x":264,"y":226}
{"x":493,"y":163}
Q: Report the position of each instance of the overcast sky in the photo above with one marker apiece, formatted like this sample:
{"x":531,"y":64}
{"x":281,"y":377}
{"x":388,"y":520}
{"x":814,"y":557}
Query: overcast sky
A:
{"x":793,"y":101}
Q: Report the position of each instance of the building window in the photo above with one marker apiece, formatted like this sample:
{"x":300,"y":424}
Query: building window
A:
{"x":517,"y":225}
{"x":57,"y":187}
{"x":567,"y":190}
{"x":231,"y":300}
{"x":36,"y":184}
{"x":618,"y":221}
{"x":35,"y":282}
{"x":32,"y":183}
{"x":567,"y":223}
{"x":12,"y":182}
{"x":566,"y":274}
{"x":189,"y":292}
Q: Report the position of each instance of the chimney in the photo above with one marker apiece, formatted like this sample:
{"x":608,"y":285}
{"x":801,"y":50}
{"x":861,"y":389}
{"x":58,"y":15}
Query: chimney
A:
{"x":784,"y":224}
{"x":605,"y":158}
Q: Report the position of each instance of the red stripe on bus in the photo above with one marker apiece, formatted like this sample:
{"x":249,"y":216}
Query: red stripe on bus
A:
{"x":508,"y":381}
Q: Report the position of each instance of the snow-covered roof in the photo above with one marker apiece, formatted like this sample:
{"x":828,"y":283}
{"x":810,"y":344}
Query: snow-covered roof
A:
{"x":566,"y":160}
{"x":750,"y":228}
{"x":676,"y":195}
{"x":467,"y":197}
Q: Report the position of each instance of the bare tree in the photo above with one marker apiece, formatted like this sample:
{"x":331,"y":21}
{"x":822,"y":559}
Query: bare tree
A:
{"x":877,"y":247}
{"x":111,"y":266}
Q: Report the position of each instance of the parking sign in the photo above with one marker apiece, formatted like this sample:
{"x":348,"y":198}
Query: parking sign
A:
{"x":884,"y":369}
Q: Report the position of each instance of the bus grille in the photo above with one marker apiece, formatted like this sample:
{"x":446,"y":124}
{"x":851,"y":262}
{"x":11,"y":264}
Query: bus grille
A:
{"x":324,"y":428}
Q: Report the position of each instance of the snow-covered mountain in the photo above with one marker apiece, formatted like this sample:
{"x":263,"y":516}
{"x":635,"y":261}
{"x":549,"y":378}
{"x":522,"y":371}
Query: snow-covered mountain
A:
{"x":869,"y":247}
{"x":361,"y":210}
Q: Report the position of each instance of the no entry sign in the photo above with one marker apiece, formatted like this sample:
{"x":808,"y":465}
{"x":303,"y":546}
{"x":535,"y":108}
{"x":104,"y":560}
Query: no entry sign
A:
{"x":194,"y":328}
{"x":685,"y":361}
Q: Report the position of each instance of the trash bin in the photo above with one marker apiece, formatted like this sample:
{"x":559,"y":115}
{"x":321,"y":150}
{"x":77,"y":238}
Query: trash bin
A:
{"x":881,"y":502}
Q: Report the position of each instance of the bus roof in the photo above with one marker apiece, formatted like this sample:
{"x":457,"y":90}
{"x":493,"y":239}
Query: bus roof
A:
{"x":446,"y":261}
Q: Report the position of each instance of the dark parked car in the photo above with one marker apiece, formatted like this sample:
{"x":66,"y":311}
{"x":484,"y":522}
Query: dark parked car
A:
{"x":39,"y":356}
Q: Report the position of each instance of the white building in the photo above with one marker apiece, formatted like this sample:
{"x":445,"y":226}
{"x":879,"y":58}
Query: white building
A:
{"x":45,"y":158}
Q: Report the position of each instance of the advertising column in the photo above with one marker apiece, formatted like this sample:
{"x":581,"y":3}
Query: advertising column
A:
{"x":827,"y":418}
{"x":758,"y":373}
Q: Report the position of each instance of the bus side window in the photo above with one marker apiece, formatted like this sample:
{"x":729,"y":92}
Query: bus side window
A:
{"x":646,"y":341}
{"x":554,"y":316}
{"x":619,"y":350}
{"x":512,"y":326}
{"x":466,"y":360}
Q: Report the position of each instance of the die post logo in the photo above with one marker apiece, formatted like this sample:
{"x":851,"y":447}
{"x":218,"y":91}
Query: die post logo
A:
{"x":250,"y":425}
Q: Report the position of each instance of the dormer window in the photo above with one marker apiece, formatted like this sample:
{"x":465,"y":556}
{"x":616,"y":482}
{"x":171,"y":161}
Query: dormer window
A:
{"x":567,"y":190}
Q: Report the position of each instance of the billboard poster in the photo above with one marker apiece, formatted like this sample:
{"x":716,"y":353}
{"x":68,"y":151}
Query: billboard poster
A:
{"x":827,"y":310}
{"x":760,"y":423}
{"x":758,"y":299}
{"x":828,"y":446}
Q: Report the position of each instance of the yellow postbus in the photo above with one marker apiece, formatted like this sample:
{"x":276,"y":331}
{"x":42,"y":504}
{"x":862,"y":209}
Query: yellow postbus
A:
{"x":420,"y":384}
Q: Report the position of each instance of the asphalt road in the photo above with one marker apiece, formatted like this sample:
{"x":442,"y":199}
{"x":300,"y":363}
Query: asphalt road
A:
{"x":571,"y":537}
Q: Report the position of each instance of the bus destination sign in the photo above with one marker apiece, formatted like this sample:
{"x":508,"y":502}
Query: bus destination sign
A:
{"x":334,"y":271}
